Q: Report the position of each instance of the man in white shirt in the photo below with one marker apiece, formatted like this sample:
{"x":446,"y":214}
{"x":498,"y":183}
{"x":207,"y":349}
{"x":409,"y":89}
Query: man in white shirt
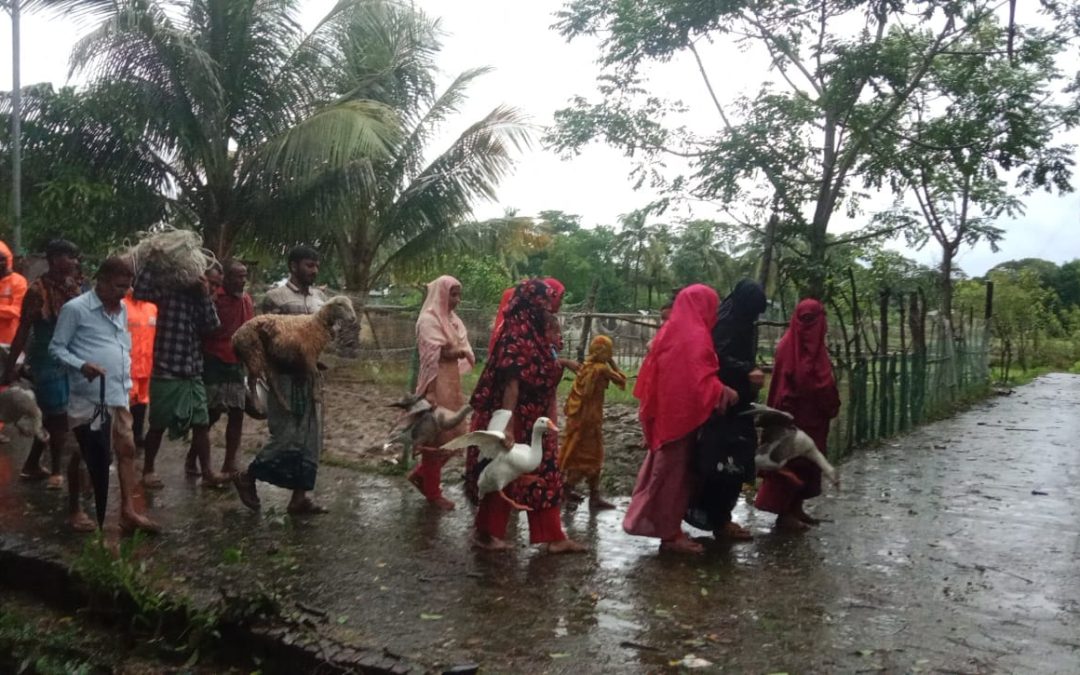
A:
{"x":92,"y":340}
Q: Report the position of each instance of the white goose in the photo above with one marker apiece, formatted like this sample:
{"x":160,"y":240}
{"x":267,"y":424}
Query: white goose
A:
{"x":506,"y":465}
{"x":782,"y":441}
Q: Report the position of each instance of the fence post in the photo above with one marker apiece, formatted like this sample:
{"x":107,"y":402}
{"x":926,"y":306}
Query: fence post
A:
{"x":885,"y":402}
{"x":858,"y":373}
{"x":905,"y":383}
{"x":586,"y":327}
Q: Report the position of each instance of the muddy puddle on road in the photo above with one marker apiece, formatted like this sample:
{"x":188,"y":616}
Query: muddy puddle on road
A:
{"x":953,"y":549}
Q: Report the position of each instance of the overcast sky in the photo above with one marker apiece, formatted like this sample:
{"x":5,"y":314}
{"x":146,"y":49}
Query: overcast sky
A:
{"x":536,"y":71}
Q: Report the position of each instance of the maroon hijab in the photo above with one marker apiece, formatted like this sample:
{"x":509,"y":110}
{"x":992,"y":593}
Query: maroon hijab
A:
{"x":802,"y":368}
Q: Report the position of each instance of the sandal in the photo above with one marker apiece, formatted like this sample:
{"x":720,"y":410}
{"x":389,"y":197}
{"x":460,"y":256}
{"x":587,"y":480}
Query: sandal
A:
{"x":307,"y":508}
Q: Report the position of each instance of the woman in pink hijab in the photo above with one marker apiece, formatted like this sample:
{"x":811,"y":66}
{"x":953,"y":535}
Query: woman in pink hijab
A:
{"x":445,"y":355}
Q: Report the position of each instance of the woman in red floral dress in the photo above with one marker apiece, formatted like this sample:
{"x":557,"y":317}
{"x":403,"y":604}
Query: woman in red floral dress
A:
{"x":521,"y":375}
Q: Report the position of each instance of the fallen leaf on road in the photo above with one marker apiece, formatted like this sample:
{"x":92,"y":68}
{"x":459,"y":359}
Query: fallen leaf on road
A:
{"x":431,"y":617}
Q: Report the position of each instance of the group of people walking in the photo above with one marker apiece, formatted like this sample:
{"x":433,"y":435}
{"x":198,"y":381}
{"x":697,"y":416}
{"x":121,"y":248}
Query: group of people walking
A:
{"x":145,"y":355}
{"x":699,"y":375}
{"x":138,"y":353}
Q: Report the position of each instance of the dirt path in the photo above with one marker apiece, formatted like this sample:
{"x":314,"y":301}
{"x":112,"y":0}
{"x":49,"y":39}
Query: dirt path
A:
{"x":953,"y":549}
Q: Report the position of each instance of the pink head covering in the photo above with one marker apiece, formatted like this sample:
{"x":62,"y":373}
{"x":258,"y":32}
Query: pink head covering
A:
{"x":437,"y":327}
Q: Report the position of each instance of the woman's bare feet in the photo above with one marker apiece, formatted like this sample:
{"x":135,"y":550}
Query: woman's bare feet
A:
{"x":566,"y":546}
{"x":443,"y":503}
{"x":33,"y":473}
{"x":80,"y":522}
{"x":806,"y":517}
{"x":790,"y":522}
{"x":245,"y":487}
{"x":150,"y":481}
{"x":130,"y":522}
{"x":55,"y":482}
{"x":681,"y":544}
{"x":216,"y":480}
{"x":305,"y":507}
{"x":598,"y":503}
{"x":733,"y":532}
{"x":489,"y":543}
{"x":416,"y":479}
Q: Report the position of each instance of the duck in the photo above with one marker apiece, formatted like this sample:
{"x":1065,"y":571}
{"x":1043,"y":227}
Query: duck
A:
{"x":782,"y":441}
{"x":506,"y":465}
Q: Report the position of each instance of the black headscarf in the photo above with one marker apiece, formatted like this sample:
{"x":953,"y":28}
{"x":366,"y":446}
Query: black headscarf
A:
{"x":734,"y":336}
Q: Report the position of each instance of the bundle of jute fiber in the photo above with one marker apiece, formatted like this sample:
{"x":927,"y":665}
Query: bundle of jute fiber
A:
{"x":174,"y":258}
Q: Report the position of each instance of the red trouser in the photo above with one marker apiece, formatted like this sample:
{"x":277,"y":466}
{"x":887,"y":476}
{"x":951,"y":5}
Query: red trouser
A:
{"x":429,"y":471}
{"x":493,"y":515}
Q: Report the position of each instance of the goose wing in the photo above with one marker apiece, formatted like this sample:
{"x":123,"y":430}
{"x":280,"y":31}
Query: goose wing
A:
{"x":490,"y":443}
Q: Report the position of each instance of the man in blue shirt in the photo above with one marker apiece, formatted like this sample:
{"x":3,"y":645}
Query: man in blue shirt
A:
{"x":92,"y":340}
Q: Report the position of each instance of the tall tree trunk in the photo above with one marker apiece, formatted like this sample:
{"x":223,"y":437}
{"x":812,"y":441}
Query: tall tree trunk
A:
{"x":947,"y":254}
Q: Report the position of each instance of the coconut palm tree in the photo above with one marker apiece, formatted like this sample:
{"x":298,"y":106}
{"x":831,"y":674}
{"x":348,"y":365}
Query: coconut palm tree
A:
{"x":416,"y":197}
{"x":240,"y":109}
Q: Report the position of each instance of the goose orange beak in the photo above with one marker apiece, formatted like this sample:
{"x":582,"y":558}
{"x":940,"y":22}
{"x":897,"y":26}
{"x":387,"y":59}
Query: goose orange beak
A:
{"x":551,"y":426}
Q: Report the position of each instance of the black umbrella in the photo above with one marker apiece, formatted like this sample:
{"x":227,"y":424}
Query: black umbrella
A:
{"x":96,"y":447}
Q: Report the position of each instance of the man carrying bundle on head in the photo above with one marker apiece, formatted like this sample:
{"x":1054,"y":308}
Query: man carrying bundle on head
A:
{"x":178,"y":403}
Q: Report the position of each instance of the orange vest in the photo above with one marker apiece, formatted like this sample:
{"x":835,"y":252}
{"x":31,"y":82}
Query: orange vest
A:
{"x":12,"y":290}
{"x":142,"y":324}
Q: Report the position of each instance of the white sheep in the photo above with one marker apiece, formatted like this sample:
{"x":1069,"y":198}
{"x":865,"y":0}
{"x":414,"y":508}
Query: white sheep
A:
{"x":289,"y":343}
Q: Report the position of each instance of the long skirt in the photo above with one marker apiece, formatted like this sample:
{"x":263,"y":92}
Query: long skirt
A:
{"x":662,"y":492}
{"x":290,"y":459}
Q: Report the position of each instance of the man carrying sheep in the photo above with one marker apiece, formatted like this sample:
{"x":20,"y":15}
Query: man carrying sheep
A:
{"x":222,"y":373}
{"x":290,"y":459}
{"x":177,"y":394}
{"x":298,"y":295}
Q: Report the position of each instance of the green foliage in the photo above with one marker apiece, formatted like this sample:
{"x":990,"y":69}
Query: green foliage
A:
{"x":579,"y":258}
{"x":845,"y":77}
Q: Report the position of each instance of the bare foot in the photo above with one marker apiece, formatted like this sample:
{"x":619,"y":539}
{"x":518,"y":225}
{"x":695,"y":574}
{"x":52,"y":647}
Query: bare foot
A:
{"x":34,"y":473}
{"x":489,"y":543}
{"x":216,"y":480}
{"x":733,"y":532}
{"x":150,"y":481}
{"x":681,"y":544}
{"x":306,"y":507}
{"x":598,"y":503}
{"x":806,"y":517}
{"x":416,"y":479}
{"x":245,"y":487}
{"x":129,"y":522}
{"x":566,"y":546}
{"x":55,"y":482}
{"x":443,"y":503}
{"x":791,"y":523}
{"x":80,"y":522}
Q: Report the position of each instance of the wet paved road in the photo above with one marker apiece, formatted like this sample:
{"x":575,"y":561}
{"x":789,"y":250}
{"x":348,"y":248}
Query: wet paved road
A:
{"x":953,"y":549}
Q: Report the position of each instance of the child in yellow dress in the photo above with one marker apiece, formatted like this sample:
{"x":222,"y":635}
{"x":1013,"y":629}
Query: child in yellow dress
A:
{"x":582,"y":453}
